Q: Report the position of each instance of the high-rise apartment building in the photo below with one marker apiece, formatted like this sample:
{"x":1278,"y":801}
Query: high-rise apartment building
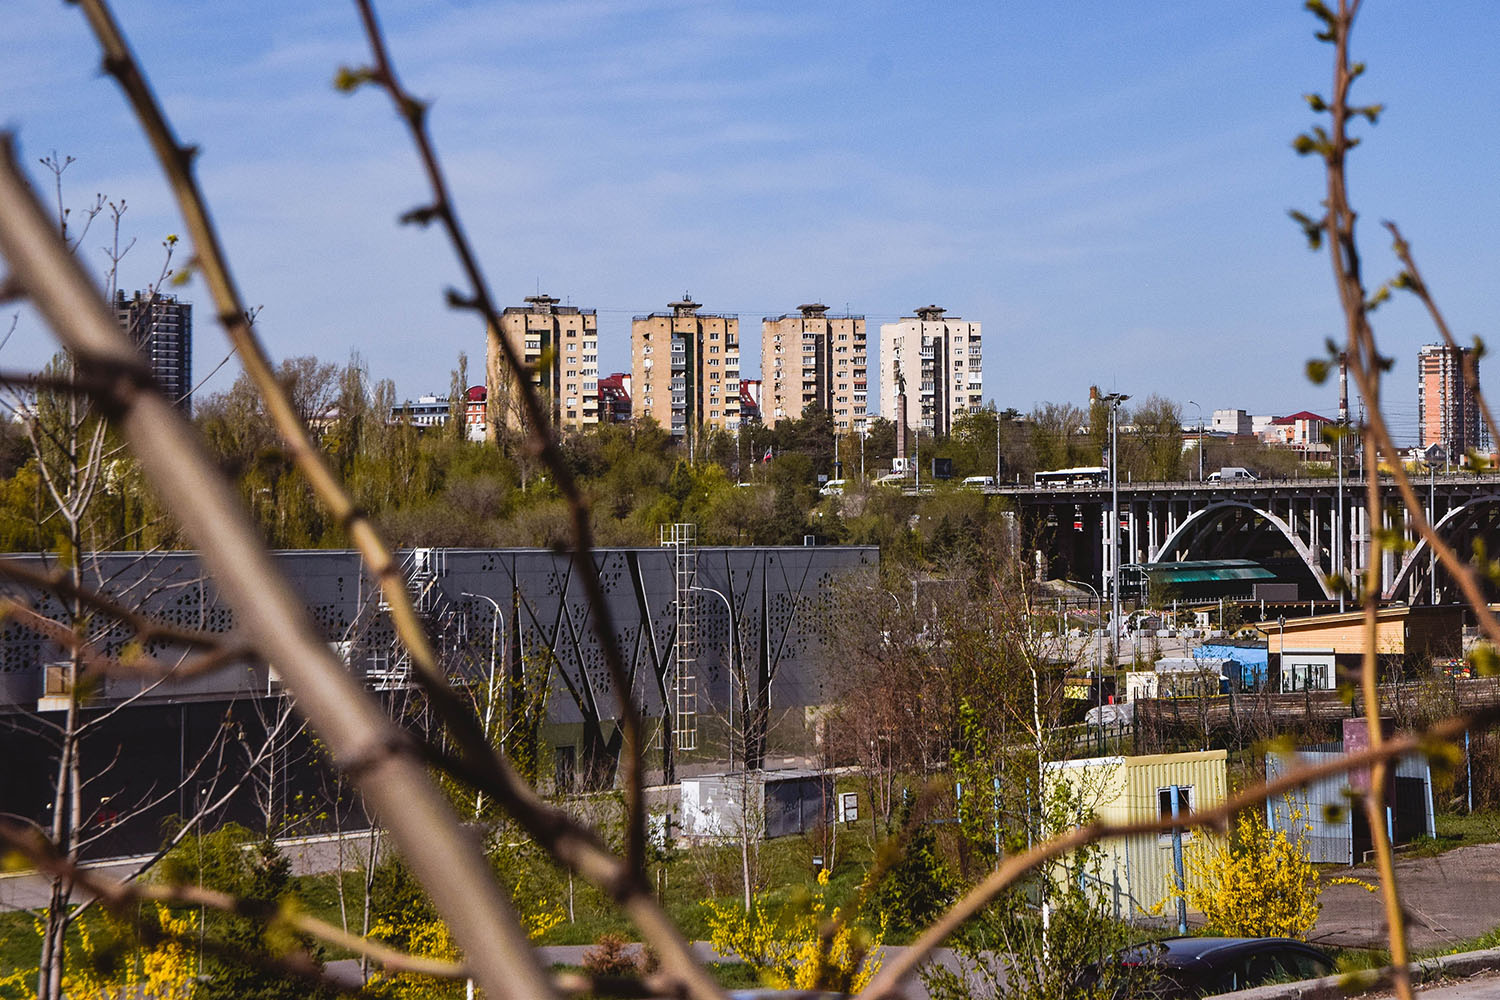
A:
{"x":939,"y":361}
{"x":810,"y":359}
{"x":162,"y":328}
{"x":560,"y":346}
{"x":1445,"y":404}
{"x":685,"y":369}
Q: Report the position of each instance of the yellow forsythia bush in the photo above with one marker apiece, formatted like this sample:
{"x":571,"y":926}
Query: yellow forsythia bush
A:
{"x":431,"y":938}
{"x":784,"y":950}
{"x":167,"y":970}
{"x":1259,"y":883}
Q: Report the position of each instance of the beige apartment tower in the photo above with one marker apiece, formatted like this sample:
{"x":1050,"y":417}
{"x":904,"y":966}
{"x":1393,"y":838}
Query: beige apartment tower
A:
{"x":814,"y":358}
{"x":940,"y":362}
{"x":560,"y":346}
{"x":685,"y":369}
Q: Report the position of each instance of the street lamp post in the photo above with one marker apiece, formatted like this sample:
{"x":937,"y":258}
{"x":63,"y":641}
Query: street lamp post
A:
{"x":730,"y":642}
{"x":497,"y":625}
{"x":1200,"y":439}
{"x":1114,"y":399}
{"x":1098,"y":647}
{"x":1431,"y":519}
{"x":996,"y":407}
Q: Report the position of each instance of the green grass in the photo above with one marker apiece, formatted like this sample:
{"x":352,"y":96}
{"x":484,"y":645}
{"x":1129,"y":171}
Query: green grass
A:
{"x":682,"y":882}
{"x":1455,"y":830}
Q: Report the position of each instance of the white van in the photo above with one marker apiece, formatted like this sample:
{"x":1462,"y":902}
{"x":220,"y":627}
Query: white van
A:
{"x":892,"y":479}
{"x":979,"y":483}
{"x":834,"y":488}
{"x":1230,"y":473}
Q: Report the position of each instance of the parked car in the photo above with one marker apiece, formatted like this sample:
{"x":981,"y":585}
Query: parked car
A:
{"x":1186,"y":968}
{"x":834,"y":488}
{"x":892,"y":479}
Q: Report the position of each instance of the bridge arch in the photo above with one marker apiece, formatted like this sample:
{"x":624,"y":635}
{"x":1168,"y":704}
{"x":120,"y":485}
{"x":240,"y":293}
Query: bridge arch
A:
{"x":1459,"y":516}
{"x":1203,"y":517}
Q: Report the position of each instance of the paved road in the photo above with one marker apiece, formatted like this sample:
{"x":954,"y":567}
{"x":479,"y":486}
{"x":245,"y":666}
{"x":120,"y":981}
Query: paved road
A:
{"x":1451,"y":898}
{"x":309,"y":855}
{"x":347,"y":970}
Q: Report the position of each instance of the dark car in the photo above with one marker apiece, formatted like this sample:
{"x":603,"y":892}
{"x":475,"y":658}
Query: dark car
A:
{"x":1186,"y":968}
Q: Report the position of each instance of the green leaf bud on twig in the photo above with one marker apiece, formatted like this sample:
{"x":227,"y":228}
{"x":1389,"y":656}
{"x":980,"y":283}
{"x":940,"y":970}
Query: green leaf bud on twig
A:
{"x":347,"y":80}
{"x":1317,"y":371}
{"x":1311,"y":230}
{"x":420,"y":216}
{"x":1320,"y":9}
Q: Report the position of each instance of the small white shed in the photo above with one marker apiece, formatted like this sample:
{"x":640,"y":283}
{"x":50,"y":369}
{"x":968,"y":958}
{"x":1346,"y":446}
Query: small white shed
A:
{"x":772,"y":803}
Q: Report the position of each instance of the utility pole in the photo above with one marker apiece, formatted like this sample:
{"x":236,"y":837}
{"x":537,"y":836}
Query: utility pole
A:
{"x":996,"y":408}
{"x":1114,"y":399}
{"x":1338,"y":514}
{"x":1200,"y":439}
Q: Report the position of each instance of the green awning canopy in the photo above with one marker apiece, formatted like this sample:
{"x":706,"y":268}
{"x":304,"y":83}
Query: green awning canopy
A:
{"x":1206,"y":571}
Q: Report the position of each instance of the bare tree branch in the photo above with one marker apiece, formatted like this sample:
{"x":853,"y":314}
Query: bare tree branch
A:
{"x":544,"y":435}
{"x":363,"y":741}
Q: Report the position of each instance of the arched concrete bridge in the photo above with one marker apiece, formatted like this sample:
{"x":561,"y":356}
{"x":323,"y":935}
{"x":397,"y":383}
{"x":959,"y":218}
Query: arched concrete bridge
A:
{"x":1306,"y":529}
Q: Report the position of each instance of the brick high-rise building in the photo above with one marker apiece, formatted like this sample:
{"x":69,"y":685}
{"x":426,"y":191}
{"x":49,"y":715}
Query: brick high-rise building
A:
{"x":940,"y":361}
{"x":569,"y":378}
{"x":1445,"y":405}
{"x":685,"y":369}
{"x":810,"y":359}
{"x":162,"y":327}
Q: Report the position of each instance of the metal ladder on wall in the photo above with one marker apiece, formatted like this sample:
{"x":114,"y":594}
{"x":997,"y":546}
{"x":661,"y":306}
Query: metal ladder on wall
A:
{"x":682,"y":539}
{"x":422,"y":569}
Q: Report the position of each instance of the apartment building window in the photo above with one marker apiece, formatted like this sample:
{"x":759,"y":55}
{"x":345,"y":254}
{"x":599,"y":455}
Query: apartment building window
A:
{"x":646,"y":350}
{"x":572,"y":346}
{"x":713,"y":350}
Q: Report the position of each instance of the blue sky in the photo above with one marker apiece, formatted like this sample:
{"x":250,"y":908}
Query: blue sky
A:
{"x":1103,"y":186}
